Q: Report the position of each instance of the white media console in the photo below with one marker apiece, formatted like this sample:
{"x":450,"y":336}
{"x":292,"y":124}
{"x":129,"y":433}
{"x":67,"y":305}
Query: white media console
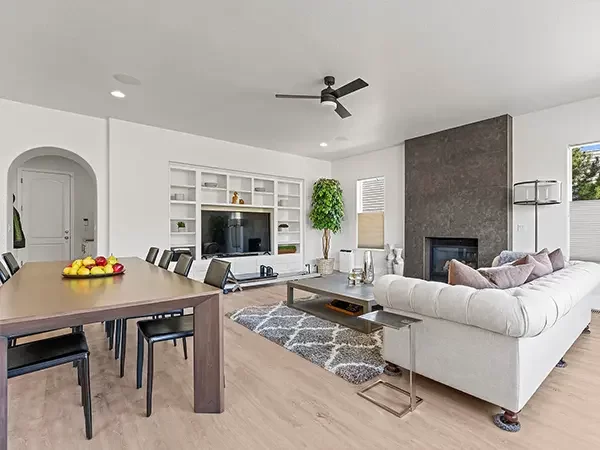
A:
{"x":194,"y":189}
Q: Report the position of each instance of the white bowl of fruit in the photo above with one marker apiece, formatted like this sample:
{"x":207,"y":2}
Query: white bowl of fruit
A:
{"x":94,"y":267}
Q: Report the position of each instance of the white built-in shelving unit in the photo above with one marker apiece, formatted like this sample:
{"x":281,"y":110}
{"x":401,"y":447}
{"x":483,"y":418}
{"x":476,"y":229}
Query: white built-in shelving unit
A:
{"x":183,"y":207}
{"x":194,"y":188}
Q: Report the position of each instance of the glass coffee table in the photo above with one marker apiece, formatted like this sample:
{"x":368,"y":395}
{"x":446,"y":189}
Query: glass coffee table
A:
{"x":396,"y":322}
{"x":334,"y":287}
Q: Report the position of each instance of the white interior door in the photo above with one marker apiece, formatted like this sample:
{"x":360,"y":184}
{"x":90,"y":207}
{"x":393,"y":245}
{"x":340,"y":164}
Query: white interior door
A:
{"x":46,"y":215}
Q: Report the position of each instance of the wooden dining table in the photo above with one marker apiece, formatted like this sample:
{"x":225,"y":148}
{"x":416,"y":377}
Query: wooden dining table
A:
{"x":37,"y":298}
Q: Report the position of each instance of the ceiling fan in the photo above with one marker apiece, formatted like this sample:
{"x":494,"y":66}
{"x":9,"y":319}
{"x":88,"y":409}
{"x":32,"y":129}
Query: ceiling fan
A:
{"x":329,"y":96}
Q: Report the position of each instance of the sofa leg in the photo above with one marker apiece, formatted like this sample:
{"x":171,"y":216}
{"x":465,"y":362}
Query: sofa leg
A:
{"x":392,"y":370}
{"x":561,"y":364}
{"x":586,"y":330}
{"x":509,"y":421}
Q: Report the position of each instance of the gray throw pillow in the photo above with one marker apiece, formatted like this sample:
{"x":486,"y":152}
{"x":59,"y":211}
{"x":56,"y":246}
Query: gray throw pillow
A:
{"x":557,"y":259}
{"x":541,"y":262}
{"x":461,"y":274}
{"x":505,"y":277}
{"x":509,"y":256}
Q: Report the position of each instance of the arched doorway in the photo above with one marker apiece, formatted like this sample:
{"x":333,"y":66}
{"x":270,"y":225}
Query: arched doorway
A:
{"x":55,"y":193}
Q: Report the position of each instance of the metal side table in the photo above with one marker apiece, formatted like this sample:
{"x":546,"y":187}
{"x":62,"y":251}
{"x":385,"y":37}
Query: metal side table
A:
{"x":396,"y":322}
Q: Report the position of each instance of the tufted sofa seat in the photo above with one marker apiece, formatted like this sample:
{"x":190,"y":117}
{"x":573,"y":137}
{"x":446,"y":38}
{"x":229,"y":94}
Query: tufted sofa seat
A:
{"x":525,"y":311}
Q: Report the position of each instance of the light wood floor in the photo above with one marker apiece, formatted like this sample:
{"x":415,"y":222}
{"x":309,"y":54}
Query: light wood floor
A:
{"x":277,"y":400}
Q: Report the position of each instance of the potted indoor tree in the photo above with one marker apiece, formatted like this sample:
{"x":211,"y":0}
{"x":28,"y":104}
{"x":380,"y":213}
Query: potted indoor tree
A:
{"x":327,"y":212}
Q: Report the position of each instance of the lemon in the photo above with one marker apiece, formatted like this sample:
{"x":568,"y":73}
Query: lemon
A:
{"x":83,"y":271}
{"x":67,"y":270}
{"x":73,"y":270}
{"x":108,"y":268}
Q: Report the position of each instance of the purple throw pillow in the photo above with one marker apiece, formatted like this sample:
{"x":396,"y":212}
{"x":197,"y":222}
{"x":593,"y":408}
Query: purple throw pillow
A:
{"x":557,"y":259}
{"x":506,"y":277}
{"x":541,"y":263}
{"x":461,"y":274}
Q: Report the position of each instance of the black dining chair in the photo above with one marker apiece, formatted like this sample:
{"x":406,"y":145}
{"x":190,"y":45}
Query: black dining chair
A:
{"x":182,"y":267}
{"x":55,"y":351}
{"x":11,"y":262}
{"x":158,"y":330}
{"x":152,"y":254}
{"x":4,"y":275}
{"x":165,"y":259}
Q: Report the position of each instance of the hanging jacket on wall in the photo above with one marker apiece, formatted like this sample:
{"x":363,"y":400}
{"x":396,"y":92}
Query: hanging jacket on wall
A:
{"x":18,"y":235}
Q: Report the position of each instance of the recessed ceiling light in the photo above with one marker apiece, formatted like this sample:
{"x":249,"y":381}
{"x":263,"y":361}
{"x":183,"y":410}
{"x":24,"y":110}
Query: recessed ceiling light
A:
{"x":323,"y":144}
{"x":126,"y":79}
{"x":117,"y":94}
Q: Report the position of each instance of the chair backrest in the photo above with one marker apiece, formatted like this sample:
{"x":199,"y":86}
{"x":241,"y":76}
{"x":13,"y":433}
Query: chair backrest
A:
{"x":152,"y":254}
{"x":11,"y":262}
{"x":217,"y":273}
{"x":183,"y":266}
{"x":4,"y":275}
{"x":165,"y":259}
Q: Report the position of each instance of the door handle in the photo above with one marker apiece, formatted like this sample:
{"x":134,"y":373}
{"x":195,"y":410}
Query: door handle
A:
{"x":66,"y":238}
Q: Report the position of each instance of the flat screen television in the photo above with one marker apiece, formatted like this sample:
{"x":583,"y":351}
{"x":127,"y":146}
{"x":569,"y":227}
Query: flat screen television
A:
{"x":235,"y":232}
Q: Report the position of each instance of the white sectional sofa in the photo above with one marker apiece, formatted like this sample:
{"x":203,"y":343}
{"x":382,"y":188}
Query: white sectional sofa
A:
{"x":497,"y":345}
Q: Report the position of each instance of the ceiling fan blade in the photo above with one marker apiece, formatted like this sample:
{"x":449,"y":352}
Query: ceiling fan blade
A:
{"x":349,"y":88}
{"x":311,"y":97}
{"x":342,"y":112}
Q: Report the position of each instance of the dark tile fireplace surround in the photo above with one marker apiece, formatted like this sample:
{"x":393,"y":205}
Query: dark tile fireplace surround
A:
{"x":458,"y":188}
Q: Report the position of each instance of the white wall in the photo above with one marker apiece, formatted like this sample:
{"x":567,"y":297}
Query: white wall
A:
{"x":388,"y":163}
{"x":139,"y":158}
{"x":541,"y":142}
{"x":84,"y":197}
{"x":134,"y":161}
{"x":26,"y":127}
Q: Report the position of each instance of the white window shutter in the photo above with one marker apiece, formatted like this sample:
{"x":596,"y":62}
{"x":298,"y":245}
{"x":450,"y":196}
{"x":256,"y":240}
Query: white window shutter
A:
{"x":585,"y":230}
{"x":370,"y":208}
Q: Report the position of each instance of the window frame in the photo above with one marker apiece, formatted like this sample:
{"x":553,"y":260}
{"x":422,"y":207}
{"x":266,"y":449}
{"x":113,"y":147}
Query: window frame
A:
{"x":358,"y":192}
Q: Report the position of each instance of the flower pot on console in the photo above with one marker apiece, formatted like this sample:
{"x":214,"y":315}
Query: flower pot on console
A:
{"x":325,"y":265}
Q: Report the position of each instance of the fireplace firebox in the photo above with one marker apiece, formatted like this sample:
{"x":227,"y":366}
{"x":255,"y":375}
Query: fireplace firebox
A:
{"x":440,"y":251}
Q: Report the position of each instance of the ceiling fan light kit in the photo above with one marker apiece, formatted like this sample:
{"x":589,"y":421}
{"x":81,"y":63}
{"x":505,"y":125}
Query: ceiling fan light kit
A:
{"x":329,"y":96}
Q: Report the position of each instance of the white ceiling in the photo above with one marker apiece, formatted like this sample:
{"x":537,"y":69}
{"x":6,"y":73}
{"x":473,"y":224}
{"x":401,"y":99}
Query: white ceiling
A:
{"x":212,"y":67}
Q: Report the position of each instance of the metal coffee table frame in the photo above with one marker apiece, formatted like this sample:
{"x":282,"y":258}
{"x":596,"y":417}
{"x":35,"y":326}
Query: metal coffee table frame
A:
{"x":396,"y":322}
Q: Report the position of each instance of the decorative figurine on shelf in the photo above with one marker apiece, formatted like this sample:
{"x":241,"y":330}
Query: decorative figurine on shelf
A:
{"x":242,"y":201}
{"x":393,"y":259}
{"x":389,"y":259}
{"x":398,"y":263}
{"x":235,"y":198}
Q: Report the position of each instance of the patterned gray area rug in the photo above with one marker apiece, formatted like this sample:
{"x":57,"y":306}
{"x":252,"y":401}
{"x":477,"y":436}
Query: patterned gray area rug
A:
{"x":354,"y":356}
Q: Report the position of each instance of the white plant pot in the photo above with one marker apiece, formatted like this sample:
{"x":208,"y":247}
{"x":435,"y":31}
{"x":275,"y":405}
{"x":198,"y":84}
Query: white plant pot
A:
{"x":325,"y":266}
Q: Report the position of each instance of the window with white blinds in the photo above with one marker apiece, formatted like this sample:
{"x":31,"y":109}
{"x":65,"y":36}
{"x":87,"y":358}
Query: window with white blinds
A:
{"x":585,"y":205}
{"x":370,"y":211}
